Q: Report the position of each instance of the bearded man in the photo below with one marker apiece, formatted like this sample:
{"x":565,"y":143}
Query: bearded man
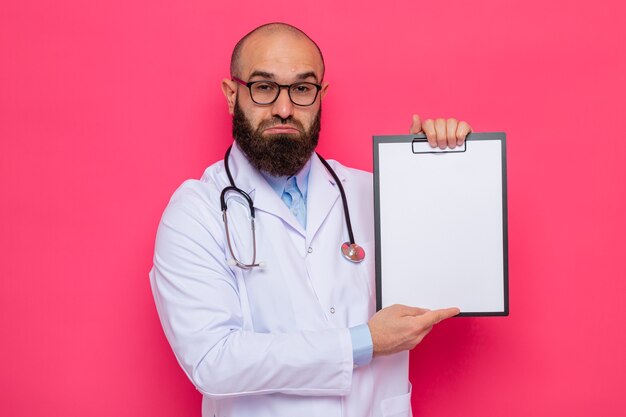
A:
{"x":263,"y":312}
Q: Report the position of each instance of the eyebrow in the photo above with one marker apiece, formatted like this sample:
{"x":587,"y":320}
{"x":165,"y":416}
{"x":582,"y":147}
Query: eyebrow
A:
{"x":306,"y":75}
{"x":262,"y":74}
{"x":270,"y":76}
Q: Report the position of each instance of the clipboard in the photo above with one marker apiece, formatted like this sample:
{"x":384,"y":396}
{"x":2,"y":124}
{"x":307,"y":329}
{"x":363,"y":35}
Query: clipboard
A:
{"x":441,"y":224}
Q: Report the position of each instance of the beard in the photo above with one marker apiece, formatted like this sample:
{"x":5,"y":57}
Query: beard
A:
{"x":279,"y":154}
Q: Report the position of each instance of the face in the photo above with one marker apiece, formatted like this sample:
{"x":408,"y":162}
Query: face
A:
{"x":277,"y":138}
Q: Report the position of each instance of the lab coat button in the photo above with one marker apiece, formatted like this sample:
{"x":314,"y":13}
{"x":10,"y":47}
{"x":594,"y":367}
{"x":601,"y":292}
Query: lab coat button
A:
{"x":310,"y":249}
{"x":332,"y":310}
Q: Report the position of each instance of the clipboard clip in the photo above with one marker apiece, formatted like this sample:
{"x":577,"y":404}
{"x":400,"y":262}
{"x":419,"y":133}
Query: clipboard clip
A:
{"x":419,"y":145}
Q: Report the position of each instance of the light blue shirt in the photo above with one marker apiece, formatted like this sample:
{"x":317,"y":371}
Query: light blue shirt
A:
{"x":362,"y":345}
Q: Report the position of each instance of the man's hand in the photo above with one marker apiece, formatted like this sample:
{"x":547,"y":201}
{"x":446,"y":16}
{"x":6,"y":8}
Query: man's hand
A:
{"x":398,"y":327}
{"x":441,"y":132}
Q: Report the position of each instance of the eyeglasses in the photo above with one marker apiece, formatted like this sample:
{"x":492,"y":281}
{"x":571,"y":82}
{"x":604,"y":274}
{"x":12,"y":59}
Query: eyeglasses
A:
{"x":267,"y":92}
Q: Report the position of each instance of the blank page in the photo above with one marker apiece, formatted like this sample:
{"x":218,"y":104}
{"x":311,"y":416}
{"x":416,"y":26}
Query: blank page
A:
{"x":441,"y":224}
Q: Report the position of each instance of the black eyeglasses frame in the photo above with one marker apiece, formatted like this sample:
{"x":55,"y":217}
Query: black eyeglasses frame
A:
{"x":249,"y":84}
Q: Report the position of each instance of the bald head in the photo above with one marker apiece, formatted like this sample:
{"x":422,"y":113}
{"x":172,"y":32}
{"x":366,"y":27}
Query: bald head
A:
{"x":269,"y":30}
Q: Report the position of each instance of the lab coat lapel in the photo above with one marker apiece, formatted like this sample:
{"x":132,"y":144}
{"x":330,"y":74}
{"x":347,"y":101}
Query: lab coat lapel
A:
{"x":249,"y":179}
{"x":322,"y":195}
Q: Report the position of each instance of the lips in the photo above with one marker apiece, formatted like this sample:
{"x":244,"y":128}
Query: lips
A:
{"x":281,"y":129}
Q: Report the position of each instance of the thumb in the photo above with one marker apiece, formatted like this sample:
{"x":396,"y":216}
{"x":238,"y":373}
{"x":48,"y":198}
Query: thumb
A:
{"x":416,"y":126}
{"x":435,"y":316}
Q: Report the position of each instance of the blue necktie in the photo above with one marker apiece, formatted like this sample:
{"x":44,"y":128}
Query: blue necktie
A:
{"x":294,"y":200}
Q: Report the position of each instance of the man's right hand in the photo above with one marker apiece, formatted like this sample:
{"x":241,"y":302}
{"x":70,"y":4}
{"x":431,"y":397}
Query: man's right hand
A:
{"x":398,"y":327}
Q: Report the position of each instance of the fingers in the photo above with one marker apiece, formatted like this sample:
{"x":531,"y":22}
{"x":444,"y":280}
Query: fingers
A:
{"x":444,"y":133}
{"x":433,"y":317}
{"x":440,"y":127}
{"x":431,"y":134}
{"x":416,"y":125}
{"x":426,"y":321}
{"x":399,"y":327}
{"x":404,"y":310}
{"x":462,"y":130}
{"x":420,"y":311}
{"x":451,"y":126}
{"x":424,"y":333}
{"x":429,"y":316}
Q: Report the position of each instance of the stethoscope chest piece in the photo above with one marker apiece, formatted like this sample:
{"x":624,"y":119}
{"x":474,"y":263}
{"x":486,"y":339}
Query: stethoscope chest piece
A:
{"x":352,"y":252}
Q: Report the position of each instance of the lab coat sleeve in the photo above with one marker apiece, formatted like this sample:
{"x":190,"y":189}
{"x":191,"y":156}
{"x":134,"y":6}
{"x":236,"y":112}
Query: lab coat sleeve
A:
{"x":198,"y":302}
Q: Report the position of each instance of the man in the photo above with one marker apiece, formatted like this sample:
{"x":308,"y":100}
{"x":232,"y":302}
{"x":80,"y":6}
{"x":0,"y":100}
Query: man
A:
{"x":297,"y":336}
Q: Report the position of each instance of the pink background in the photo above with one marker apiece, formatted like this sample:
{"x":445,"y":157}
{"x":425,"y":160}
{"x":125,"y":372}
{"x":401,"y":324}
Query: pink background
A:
{"x":106,"y":107}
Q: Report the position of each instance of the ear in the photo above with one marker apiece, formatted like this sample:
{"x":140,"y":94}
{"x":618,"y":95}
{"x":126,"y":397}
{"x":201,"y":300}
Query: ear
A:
{"x":229,"y":88}
{"x":324,"y":89}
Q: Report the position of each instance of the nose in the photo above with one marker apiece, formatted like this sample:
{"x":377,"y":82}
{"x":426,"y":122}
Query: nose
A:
{"x":283,"y":107}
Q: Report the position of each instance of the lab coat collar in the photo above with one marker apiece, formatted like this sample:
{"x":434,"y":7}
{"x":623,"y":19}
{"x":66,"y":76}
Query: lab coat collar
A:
{"x":322,"y":192}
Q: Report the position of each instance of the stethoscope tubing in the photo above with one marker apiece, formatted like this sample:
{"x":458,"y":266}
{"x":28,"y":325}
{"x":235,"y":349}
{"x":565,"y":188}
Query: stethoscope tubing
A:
{"x":344,"y":200}
{"x":350,"y":251}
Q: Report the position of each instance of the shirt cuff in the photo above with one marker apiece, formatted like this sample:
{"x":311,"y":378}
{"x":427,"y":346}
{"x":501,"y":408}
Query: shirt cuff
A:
{"x":362,"y":345}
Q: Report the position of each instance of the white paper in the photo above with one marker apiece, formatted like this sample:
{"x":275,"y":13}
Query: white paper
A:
{"x":441,"y":227}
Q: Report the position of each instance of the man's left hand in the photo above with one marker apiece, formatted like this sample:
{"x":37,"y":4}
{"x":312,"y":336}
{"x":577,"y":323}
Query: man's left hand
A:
{"x":441,"y":132}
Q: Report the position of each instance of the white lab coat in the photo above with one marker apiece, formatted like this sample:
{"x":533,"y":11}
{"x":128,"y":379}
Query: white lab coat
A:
{"x":273,"y":341}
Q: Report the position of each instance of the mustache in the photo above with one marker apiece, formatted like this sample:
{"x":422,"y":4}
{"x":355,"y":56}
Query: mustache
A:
{"x":279,"y":121}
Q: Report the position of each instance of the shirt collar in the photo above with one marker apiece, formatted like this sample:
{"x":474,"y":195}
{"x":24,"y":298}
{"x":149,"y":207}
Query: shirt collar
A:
{"x":278,"y":182}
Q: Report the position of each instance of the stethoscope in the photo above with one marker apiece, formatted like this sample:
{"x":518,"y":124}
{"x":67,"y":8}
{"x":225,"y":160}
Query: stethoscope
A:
{"x":350,"y":250}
